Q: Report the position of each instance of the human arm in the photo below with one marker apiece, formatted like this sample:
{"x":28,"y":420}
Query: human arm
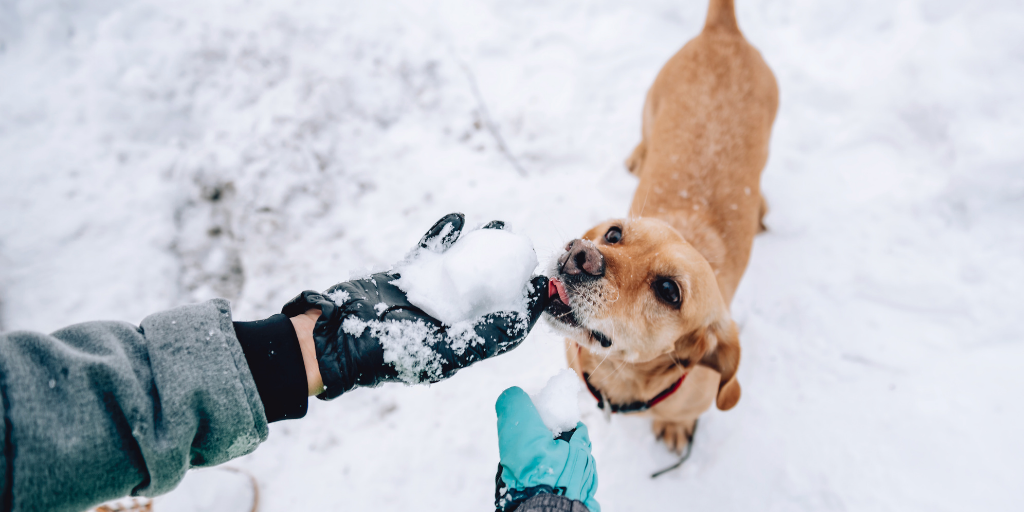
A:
{"x":538,"y":472}
{"x":368,"y":332}
{"x":304,"y":325}
{"x":101,"y":410}
{"x":106,"y":409}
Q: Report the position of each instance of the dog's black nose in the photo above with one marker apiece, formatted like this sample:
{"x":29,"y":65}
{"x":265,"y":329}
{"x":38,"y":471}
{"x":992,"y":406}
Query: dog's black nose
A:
{"x":582,"y":258}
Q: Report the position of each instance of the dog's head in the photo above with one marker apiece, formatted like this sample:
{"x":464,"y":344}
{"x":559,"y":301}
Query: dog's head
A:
{"x":636,"y":290}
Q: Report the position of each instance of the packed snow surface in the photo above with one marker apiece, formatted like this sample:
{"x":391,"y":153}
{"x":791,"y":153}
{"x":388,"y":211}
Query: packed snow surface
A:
{"x":172,"y":152}
{"x":216,"y":489}
{"x":558,"y":402}
{"x":485,"y":271}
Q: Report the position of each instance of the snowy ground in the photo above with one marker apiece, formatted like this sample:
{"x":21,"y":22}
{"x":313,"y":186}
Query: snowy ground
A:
{"x":155,"y":153}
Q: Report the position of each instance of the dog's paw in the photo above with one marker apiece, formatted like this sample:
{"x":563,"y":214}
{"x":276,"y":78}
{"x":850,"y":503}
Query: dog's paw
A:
{"x":675,"y":435}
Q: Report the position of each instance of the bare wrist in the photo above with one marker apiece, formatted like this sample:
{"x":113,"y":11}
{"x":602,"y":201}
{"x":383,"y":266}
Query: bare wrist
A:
{"x":304,"y":324}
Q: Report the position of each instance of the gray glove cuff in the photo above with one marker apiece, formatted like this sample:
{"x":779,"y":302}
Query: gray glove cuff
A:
{"x":545,"y":502}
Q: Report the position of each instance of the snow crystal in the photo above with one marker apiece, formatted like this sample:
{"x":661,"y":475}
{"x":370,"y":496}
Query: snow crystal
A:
{"x":338,"y":296}
{"x":353,"y":326}
{"x":408,"y":344}
{"x":485,"y":271}
{"x":558,"y":403}
{"x":461,"y":335}
{"x":380,"y":308}
{"x":407,"y":347}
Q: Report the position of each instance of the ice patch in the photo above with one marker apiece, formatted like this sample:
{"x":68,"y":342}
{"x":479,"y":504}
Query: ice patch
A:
{"x":485,"y":271}
{"x":558,"y":402}
{"x":380,"y":308}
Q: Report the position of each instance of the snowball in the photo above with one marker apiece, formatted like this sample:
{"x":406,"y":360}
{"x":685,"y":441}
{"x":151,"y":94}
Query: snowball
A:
{"x":485,"y":271}
{"x":558,"y":403}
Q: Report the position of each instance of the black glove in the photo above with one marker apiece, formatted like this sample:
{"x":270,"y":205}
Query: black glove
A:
{"x":359,"y":342}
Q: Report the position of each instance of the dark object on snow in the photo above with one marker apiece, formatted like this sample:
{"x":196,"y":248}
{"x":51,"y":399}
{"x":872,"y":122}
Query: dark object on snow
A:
{"x":349,"y":332}
{"x":682,"y":458}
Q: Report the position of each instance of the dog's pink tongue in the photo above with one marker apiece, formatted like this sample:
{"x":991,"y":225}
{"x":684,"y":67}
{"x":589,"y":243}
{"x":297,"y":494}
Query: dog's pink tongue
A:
{"x":556,"y":287}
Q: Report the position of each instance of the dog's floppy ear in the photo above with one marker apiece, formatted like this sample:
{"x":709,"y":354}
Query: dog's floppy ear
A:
{"x":720,"y":345}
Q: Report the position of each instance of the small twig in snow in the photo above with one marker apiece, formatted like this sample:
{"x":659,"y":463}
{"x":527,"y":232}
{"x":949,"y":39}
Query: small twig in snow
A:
{"x":489,"y":124}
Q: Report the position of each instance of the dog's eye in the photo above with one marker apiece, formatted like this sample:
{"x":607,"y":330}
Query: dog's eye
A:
{"x":668,"y":291}
{"x":613,"y":235}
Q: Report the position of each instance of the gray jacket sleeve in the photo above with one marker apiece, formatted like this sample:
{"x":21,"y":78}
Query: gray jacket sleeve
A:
{"x":101,"y":410}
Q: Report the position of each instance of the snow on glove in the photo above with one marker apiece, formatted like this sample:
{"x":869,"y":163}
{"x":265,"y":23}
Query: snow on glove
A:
{"x":369,"y":333}
{"x":532,"y":462}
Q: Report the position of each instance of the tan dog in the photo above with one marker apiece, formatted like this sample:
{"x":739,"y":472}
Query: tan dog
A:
{"x":645,"y":301}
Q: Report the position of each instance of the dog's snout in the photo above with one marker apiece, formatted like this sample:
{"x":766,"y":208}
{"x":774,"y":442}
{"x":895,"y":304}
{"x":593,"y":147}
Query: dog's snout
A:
{"x":582,"y":258}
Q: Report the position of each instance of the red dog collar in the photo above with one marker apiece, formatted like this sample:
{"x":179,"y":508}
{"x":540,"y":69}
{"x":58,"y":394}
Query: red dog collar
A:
{"x":637,"y":406}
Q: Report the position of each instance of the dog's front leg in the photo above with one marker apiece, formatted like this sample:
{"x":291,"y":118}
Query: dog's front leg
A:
{"x":674,"y":418}
{"x":676,"y":435}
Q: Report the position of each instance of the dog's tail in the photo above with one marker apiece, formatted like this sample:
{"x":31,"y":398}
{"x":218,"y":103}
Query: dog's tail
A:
{"x":721,"y":16}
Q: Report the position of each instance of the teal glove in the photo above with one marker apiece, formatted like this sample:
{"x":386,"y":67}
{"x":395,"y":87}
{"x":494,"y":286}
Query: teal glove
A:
{"x":534,"y":462}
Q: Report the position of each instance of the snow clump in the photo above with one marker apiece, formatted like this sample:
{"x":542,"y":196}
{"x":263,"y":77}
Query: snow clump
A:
{"x":485,"y":271}
{"x":407,"y":347}
{"x":558,"y":403}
